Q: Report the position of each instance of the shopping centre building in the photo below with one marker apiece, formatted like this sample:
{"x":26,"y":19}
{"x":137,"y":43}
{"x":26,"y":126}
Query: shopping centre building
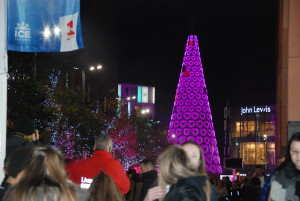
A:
{"x":252,"y":136}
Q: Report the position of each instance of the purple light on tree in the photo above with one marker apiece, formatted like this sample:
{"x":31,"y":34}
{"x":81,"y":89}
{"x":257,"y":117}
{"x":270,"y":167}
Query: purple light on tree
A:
{"x":191,"y":118}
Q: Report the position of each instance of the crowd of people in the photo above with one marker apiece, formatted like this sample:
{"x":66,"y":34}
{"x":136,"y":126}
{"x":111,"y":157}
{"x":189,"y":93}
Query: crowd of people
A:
{"x":246,"y":190}
{"x":36,"y":172}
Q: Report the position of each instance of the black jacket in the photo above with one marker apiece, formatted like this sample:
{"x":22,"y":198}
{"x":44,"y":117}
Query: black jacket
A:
{"x":18,"y":140}
{"x":189,"y":189}
{"x":149,"y":179}
{"x":251,"y":193}
{"x":3,"y":188}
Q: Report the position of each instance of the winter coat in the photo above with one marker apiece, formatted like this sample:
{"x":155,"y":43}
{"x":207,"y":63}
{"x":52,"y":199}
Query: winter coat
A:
{"x":18,"y":140}
{"x":265,"y":191}
{"x":86,"y":170}
{"x":149,"y":179}
{"x":189,"y":189}
{"x":251,"y":193}
{"x":235,"y":194}
{"x":3,"y":188}
{"x":283,"y":188}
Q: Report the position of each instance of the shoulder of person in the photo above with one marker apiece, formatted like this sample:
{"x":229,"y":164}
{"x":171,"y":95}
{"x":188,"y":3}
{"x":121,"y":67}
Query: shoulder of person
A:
{"x":193,"y":181}
{"x":81,"y":193}
{"x":183,"y":193}
{"x":192,"y":185}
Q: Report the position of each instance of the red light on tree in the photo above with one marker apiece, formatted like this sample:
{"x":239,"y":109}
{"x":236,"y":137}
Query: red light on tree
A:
{"x":186,"y":73}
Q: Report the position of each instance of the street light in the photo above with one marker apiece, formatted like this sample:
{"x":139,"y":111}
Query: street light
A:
{"x":56,"y":31}
{"x":131,"y":98}
{"x":83,"y":76}
{"x":47,"y":33}
{"x":146,"y":111}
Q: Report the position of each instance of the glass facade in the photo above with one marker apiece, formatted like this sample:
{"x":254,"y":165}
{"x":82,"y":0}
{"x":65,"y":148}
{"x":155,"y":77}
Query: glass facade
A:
{"x":253,"y":135}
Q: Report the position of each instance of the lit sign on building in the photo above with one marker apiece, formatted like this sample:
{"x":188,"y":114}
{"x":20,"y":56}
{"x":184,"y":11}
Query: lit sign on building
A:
{"x":255,"y":109}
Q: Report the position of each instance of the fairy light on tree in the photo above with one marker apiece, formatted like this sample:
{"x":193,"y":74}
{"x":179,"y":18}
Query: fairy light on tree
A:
{"x":123,"y":135}
{"x":65,"y":126}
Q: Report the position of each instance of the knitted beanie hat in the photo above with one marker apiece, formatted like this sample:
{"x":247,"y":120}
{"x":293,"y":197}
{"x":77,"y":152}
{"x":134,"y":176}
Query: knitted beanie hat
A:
{"x":25,"y":125}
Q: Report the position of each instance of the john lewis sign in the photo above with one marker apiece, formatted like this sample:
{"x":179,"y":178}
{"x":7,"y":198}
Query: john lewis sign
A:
{"x":255,"y":109}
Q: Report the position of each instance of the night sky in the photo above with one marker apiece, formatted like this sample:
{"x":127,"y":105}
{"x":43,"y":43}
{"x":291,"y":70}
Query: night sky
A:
{"x":237,"y":42}
{"x":143,"y":42}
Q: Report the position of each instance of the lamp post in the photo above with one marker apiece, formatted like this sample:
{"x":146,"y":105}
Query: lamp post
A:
{"x":83,"y":78}
{"x":83,"y":85}
{"x":265,"y":138}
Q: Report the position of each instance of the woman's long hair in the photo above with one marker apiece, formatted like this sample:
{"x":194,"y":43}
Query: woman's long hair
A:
{"x":103,"y":188}
{"x":288,"y":168}
{"x":46,"y":169}
{"x":174,"y":164}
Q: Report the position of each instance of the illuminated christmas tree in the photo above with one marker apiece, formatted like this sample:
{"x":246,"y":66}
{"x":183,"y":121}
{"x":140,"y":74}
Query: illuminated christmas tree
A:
{"x":191,"y":118}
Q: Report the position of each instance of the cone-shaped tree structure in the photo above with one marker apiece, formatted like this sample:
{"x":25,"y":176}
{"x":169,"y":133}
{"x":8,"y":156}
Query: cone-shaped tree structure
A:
{"x":191,"y":118}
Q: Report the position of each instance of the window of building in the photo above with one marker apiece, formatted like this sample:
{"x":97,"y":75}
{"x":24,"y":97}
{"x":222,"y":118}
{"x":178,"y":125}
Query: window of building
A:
{"x":254,"y":153}
{"x":244,"y":129}
{"x":251,"y":128}
{"x":247,"y":128}
{"x":236,"y":130}
{"x":269,"y":128}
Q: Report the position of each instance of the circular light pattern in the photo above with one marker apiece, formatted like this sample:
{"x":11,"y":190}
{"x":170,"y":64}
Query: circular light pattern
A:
{"x":191,"y":118}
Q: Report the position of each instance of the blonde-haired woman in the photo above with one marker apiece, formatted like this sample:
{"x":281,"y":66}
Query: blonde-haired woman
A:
{"x":177,"y":170}
{"x":197,"y":162}
{"x":45,"y":179}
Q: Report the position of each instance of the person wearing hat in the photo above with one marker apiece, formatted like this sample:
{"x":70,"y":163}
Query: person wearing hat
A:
{"x":25,"y":135}
{"x":15,"y":166}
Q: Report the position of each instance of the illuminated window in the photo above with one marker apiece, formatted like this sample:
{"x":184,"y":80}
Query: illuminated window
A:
{"x":139,"y":99}
{"x":251,"y":126}
{"x":269,"y":128}
{"x":145,"y":95}
{"x":244,"y":128}
{"x":238,"y":127}
{"x":236,"y":130}
{"x":142,"y":96}
{"x":247,"y":128}
{"x":257,"y":153}
{"x":153,"y":95}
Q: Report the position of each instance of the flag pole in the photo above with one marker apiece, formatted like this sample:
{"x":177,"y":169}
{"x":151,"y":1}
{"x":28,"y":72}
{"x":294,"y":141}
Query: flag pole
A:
{"x":3,"y":81}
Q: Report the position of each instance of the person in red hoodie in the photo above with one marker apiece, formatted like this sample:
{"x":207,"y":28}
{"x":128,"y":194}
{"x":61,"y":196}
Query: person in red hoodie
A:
{"x":101,"y":159}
